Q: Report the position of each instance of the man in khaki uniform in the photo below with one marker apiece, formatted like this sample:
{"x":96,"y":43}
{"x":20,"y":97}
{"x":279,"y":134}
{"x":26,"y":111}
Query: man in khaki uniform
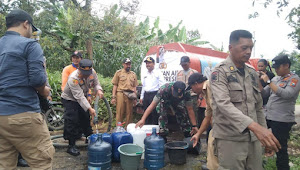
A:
{"x":200,"y":85}
{"x":239,"y":125}
{"x":77,"y":107}
{"x":124,"y":92}
{"x":183,"y":75}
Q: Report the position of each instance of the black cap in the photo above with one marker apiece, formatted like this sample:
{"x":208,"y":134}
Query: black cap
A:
{"x":19,"y":15}
{"x":184,"y":59}
{"x":149,"y":59}
{"x":126,"y":60}
{"x":195,"y":78}
{"x":77,"y":53}
{"x":178,"y":89}
{"x":85,"y":67}
{"x":280,"y":59}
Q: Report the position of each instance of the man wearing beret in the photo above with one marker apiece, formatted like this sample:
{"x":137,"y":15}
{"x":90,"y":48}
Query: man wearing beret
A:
{"x":283,"y":91}
{"x":77,"y":108}
{"x":124,"y":92}
{"x":151,"y":81}
{"x":22,"y":75}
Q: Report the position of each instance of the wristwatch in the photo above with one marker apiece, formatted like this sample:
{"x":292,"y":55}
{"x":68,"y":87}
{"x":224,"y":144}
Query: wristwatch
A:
{"x":268,"y":82}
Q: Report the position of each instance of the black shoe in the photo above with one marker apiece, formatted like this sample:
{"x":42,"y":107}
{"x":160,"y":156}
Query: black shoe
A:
{"x":204,"y":167}
{"x":72,"y":150}
{"x":22,"y":162}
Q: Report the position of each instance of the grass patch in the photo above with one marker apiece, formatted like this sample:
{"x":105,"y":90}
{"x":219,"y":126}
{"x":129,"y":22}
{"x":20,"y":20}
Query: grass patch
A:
{"x":294,"y":153}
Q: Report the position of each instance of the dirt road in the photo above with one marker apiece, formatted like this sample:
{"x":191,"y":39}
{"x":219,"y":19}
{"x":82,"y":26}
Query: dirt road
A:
{"x":63,"y":161}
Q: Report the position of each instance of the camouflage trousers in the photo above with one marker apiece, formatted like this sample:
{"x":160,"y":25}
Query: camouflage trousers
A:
{"x":179,"y":111}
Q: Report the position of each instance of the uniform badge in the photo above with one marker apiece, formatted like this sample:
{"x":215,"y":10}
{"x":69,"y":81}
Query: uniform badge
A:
{"x":293,"y":82}
{"x":281,"y":84}
{"x":232,"y":78}
{"x":231,"y":68}
{"x":215,"y":76}
{"x":75,"y":82}
{"x":91,"y":77}
{"x":81,"y":82}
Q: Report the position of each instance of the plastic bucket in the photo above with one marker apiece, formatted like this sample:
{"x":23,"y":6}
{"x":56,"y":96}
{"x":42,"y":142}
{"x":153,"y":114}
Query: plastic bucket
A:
{"x":177,"y":152}
{"x":130,"y":155}
{"x":196,"y":149}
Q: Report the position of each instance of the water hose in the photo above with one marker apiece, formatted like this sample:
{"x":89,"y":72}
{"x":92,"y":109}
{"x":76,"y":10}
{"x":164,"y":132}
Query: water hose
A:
{"x":62,"y":145}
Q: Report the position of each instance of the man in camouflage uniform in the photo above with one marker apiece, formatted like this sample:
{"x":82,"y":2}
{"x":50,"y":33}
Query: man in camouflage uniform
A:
{"x":77,"y":108}
{"x":172,"y":99}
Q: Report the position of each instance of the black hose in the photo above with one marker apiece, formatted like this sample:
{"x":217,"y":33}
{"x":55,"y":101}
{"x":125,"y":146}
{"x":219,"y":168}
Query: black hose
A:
{"x":109,"y":114}
{"x":64,"y":145}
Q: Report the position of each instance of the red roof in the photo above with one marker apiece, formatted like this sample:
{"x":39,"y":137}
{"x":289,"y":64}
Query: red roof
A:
{"x":180,"y":47}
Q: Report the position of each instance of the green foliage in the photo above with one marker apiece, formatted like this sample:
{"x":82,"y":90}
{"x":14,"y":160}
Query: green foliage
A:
{"x":295,"y":60}
{"x":2,"y":25}
{"x":54,"y":79}
{"x":292,"y":17}
{"x":107,"y":89}
{"x":270,"y":163}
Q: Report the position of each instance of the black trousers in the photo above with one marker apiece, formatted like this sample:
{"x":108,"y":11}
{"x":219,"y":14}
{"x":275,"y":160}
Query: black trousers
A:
{"x":281,"y":132}
{"x":152,"y":119}
{"x":76,"y":121}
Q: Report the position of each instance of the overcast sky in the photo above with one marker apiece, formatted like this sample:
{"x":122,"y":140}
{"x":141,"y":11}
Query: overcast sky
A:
{"x":215,"y":19}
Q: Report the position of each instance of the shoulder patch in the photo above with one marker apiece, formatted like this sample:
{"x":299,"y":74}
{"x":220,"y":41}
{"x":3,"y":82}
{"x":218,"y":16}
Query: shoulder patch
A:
{"x":75,"y":82}
{"x":215,"y":76}
{"x":294,"y":82}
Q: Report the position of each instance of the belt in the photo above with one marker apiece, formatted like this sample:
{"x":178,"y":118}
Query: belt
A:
{"x":150,"y":92}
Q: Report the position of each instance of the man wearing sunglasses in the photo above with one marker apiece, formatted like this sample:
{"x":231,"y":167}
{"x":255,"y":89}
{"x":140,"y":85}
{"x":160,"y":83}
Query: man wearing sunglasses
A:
{"x":77,"y":108}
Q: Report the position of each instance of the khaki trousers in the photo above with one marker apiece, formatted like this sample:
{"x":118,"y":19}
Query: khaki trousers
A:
{"x":212,"y":160}
{"x":28,"y":134}
{"x":233,"y":155}
{"x":124,"y":106}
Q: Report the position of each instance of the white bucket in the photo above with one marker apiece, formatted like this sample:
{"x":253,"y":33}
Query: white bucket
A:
{"x":138,"y":136}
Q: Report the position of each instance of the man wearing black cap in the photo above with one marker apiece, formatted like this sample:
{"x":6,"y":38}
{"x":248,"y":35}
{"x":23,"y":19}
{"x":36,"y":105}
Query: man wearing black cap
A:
{"x":283,"y":91}
{"x":77,"y":108}
{"x":75,"y":58}
{"x":151,"y":81}
{"x":183,"y":75}
{"x":173,"y":99}
{"x":124,"y":92}
{"x":22,"y":127}
{"x":200,"y":85}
